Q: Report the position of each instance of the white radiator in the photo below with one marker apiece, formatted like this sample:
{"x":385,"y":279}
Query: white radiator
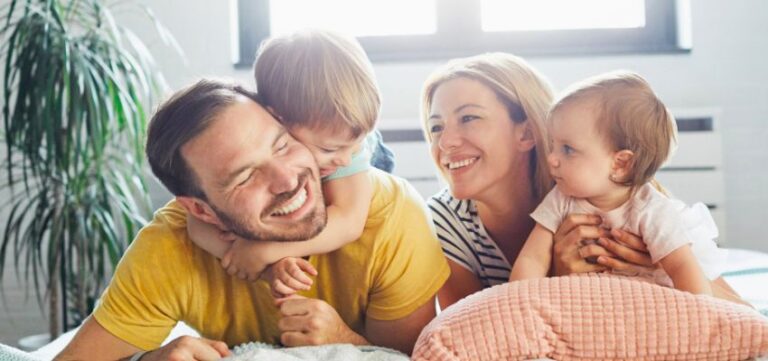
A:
{"x":693,"y":174}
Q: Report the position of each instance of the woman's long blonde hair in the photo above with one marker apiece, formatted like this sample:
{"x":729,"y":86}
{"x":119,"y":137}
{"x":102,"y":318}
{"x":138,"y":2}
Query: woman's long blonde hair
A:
{"x":526,"y":94}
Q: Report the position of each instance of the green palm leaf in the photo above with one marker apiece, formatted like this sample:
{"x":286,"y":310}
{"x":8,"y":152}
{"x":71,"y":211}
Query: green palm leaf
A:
{"x":75,"y":93}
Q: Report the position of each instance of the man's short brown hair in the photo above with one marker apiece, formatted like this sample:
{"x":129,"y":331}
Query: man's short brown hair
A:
{"x":180,"y":119}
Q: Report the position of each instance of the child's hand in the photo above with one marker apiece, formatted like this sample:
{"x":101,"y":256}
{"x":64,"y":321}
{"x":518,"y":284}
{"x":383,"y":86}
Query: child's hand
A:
{"x":227,"y":236}
{"x":288,"y":276}
{"x":245,"y":259}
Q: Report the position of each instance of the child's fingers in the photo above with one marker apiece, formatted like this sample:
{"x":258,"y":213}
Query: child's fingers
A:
{"x":281,"y":288}
{"x":231,"y":270}
{"x":289,"y":280}
{"x":226,"y":236}
{"x":306,"y":266}
{"x":227,"y":259}
{"x":242,"y":275}
{"x":276,"y":295}
{"x":299,"y":275}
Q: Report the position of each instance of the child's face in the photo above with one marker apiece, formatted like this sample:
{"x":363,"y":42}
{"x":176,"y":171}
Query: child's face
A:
{"x":330,"y":147}
{"x":581,"y":159}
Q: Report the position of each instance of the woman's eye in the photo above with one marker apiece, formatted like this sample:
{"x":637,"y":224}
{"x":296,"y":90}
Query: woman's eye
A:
{"x":567,"y":149}
{"x":468,"y":118}
{"x":435,"y":128}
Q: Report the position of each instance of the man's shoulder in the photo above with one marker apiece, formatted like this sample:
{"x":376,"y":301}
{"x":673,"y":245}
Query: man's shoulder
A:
{"x":165,"y":235}
{"x":397,"y":211}
{"x":391,"y":194}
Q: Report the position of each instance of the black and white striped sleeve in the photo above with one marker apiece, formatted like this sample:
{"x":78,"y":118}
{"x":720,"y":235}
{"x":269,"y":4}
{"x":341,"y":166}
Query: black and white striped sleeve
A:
{"x":452,"y":234}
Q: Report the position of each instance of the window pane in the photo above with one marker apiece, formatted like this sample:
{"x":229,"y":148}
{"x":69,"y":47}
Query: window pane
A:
{"x":355,"y":17}
{"x":512,"y":15}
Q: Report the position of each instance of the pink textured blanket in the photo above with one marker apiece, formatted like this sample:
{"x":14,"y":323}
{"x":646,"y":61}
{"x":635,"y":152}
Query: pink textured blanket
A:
{"x":592,"y":317}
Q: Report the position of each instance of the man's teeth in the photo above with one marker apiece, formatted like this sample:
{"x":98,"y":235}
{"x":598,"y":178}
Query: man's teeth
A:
{"x":295,"y":204}
{"x":460,"y":164}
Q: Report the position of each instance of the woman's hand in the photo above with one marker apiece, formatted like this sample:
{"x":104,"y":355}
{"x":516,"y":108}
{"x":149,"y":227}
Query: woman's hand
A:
{"x":625,"y":252}
{"x":580,"y":238}
{"x":574,"y":233}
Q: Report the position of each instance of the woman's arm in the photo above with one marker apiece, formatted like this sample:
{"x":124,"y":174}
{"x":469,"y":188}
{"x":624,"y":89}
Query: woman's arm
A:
{"x":461,"y":283}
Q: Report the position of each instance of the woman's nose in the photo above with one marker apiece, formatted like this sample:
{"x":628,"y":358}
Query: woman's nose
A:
{"x":449,"y":138}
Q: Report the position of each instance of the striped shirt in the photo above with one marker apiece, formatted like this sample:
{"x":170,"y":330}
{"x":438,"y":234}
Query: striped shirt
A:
{"x":465,"y":240}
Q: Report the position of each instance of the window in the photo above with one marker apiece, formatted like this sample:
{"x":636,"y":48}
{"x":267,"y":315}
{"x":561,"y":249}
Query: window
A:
{"x":441,"y":29}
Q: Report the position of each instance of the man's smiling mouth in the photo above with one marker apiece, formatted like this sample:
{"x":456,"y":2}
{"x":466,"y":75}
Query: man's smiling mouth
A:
{"x":292,"y":204}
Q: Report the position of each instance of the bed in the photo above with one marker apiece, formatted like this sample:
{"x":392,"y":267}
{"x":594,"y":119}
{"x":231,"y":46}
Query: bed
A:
{"x":747,"y":272}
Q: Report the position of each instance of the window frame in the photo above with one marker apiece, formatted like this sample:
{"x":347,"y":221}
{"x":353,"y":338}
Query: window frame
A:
{"x":459,"y":33}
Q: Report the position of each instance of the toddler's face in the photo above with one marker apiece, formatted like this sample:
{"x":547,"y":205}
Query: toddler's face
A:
{"x":581,"y":158}
{"x":330,"y":147}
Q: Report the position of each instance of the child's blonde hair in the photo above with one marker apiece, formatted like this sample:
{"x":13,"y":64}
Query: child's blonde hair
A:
{"x":526,"y":94}
{"x":630,"y":116}
{"x":311,"y":77}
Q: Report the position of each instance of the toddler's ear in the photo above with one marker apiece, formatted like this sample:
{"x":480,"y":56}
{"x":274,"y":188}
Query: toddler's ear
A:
{"x":621,"y":168}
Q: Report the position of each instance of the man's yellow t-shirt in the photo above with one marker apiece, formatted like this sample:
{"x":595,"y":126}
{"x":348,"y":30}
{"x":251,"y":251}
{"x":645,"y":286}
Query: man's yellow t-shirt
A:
{"x":395,"y":267}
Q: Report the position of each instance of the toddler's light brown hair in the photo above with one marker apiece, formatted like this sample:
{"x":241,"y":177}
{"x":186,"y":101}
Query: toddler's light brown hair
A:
{"x":629,"y":116}
{"x":314,"y":76}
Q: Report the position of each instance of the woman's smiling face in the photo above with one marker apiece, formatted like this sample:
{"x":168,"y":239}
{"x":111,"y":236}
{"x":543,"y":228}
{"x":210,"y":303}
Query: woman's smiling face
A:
{"x":473,"y":138}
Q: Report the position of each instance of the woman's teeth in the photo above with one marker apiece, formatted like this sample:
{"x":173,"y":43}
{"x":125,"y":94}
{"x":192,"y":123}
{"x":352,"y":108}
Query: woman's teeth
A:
{"x":461,"y":164}
{"x":294,"y":204}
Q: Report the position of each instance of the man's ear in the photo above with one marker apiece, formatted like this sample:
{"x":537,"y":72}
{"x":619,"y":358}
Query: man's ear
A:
{"x":524,"y":135}
{"x":199,"y":209}
{"x":622,"y":165}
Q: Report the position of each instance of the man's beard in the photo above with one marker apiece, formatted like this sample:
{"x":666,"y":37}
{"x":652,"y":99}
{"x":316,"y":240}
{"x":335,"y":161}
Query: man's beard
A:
{"x":303,"y":229}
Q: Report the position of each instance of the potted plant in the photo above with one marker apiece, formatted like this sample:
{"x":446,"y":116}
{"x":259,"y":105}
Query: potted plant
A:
{"x":76,"y":94}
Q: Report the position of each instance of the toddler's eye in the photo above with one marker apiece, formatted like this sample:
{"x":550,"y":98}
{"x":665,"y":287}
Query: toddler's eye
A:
{"x":567,"y":150}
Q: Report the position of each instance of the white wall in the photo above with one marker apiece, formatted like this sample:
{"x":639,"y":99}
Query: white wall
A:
{"x":726,"y":70}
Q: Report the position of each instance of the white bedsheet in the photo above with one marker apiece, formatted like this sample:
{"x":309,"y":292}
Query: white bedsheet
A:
{"x":746,"y":272}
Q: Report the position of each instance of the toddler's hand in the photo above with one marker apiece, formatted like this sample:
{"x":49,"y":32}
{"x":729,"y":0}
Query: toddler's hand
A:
{"x":288,"y":276}
{"x":245,"y":259}
{"x":227,"y":236}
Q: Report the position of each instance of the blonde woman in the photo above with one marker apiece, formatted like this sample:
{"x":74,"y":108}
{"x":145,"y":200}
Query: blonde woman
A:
{"x":483,"y":117}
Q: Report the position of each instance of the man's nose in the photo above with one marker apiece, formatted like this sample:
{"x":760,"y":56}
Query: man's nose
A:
{"x":283,"y":179}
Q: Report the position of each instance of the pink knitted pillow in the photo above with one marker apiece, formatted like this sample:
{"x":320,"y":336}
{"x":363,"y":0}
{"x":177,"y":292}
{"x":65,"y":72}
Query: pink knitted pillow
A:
{"x":591,"y":317}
